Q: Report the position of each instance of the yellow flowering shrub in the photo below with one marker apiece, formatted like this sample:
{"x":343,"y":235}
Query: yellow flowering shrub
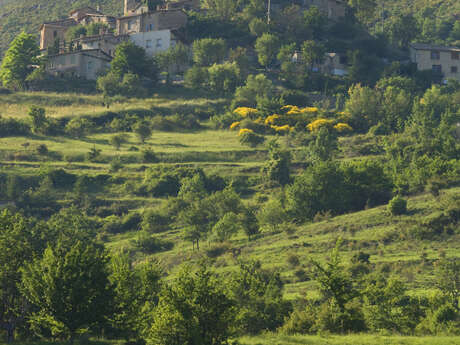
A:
{"x":309,"y":110}
{"x":343,"y":127}
{"x":245,"y":111}
{"x":317,"y":124}
{"x":282,"y":129}
{"x":245,"y":130}
{"x":259,"y":120}
{"x":235,"y":124}
{"x":294,"y":111}
{"x":270,"y":120}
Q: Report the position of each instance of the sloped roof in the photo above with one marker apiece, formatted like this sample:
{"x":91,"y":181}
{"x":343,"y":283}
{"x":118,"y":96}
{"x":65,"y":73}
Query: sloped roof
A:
{"x":425,"y":46}
{"x":87,"y":9}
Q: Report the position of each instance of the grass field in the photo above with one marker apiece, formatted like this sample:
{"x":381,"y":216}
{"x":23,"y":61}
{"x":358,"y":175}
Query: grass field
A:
{"x":364,"y":339}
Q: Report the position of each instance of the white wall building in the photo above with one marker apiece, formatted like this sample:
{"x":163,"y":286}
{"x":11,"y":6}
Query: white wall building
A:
{"x":153,"y":41}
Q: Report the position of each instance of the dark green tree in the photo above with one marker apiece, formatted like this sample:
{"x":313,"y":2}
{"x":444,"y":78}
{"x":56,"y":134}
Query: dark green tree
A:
{"x":143,"y":130}
{"x":277,"y":168}
{"x":135,"y":289}
{"x":258,"y":296}
{"x":130,"y":58}
{"x":70,"y":288}
{"x":192,"y":310}
{"x":267,"y":47}
{"x":17,"y":246}
{"x":18,"y":61}
{"x":208,"y":51}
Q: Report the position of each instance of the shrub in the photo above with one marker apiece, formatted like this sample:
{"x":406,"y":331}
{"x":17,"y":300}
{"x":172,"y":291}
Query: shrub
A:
{"x":293,"y":260}
{"x":196,"y":77}
{"x":93,"y":154}
{"x":11,"y":127}
{"x":118,"y":140}
{"x":148,"y":156}
{"x":143,"y":130}
{"x":115,"y":164}
{"x":78,"y":127}
{"x":217,"y":250}
{"x":397,"y":206}
{"x":224,"y":78}
{"x":154,"y":222}
{"x":249,"y":138}
{"x":224,"y":121}
{"x":42,"y":150}
{"x":151,"y":244}
{"x":60,"y":178}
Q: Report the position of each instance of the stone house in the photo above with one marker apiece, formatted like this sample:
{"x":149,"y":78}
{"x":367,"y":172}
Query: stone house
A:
{"x":151,"y":21}
{"x":51,"y":32}
{"x":88,"y":56}
{"x":107,"y":42}
{"x":439,"y":59}
{"x":87,"y":64}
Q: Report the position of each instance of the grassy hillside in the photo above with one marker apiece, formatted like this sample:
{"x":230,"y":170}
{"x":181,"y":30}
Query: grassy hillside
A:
{"x":386,"y":238}
{"x":391,"y":241}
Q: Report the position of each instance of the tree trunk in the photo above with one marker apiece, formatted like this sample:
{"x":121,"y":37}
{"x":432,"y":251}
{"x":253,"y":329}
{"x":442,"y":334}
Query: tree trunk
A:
{"x":197,"y":244}
{"x":9,"y":333}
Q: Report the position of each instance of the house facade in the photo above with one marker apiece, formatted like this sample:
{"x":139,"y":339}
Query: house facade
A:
{"x":107,"y":42}
{"x":54,"y":31}
{"x":439,"y":59}
{"x":151,"y":21}
{"x":87,"y":64}
{"x":153,"y":42}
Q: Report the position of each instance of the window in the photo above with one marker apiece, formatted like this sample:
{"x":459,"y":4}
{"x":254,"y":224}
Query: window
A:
{"x":54,"y":34}
{"x":148,"y":44}
{"x":159,"y":43}
{"x":73,"y":59}
{"x":435,"y":55}
{"x":436,"y":68}
{"x":90,"y":66}
{"x":454,"y":69}
{"x":130,"y":24}
{"x":151,"y":26}
{"x":455,"y":55}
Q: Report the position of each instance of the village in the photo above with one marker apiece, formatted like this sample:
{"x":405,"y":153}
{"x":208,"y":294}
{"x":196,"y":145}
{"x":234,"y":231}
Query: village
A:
{"x":160,"y":28}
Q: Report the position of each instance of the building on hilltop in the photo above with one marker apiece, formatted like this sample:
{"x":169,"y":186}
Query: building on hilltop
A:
{"x":134,"y":7}
{"x":51,"y":32}
{"x":106,"y":42}
{"x":87,"y":64}
{"x":333,"y":63}
{"x":139,"y":6}
{"x":151,"y":21}
{"x":439,"y":59}
{"x":89,"y":56}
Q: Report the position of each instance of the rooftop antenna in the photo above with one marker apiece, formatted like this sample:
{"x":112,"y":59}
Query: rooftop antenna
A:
{"x":268,"y":11}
